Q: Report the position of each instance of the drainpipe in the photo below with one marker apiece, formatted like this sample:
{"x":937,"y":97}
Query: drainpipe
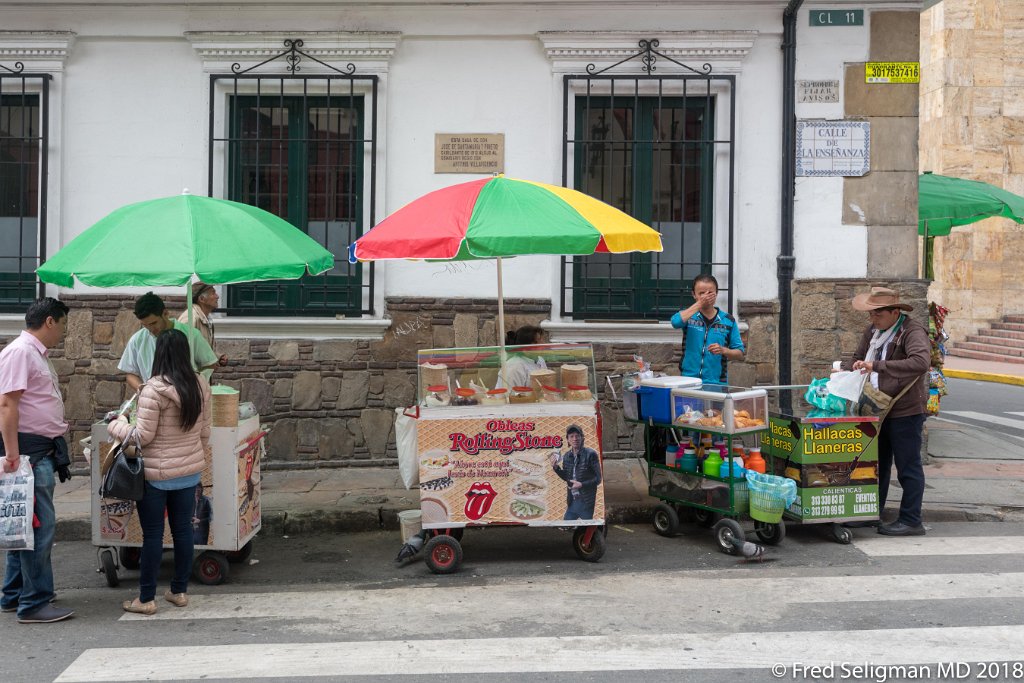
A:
{"x":786,"y":262}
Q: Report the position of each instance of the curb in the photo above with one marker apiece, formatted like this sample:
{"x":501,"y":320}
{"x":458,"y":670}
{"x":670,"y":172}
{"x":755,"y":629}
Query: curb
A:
{"x":282,"y":522}
{"x":984,"y":376}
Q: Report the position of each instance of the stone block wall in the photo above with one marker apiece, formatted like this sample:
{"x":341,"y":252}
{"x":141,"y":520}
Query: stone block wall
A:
{"x":331,"y":403}
{"x":885,"y":200}
{"x":826,"y":327}
{"x":972,"y":126}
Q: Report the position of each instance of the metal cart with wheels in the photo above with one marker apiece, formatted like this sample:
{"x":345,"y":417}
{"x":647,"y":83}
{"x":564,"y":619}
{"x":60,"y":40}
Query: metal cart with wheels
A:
{"x":226,"y":518}
{"x":833,"y":457}
{"x":712,"y":501}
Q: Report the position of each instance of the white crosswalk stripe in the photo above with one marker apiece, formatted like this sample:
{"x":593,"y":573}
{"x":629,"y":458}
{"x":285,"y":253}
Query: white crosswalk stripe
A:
{"x":985,"y":417}
{"x":690,"y":587}
{"x":674,"y":651}
{"x":888,"y":546}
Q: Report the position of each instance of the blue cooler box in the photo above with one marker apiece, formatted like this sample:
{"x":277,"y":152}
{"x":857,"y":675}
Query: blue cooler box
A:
{"x":654,"y":396}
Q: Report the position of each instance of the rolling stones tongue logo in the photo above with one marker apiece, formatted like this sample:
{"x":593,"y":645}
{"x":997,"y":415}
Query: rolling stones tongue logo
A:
{"x":479,"y":498}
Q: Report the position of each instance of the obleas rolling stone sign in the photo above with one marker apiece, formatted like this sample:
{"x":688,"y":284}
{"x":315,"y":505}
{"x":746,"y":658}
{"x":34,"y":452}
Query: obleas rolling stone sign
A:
{"x":537,"y":470}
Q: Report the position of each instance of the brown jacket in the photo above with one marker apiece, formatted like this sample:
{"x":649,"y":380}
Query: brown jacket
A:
{"x":167,"y":450}
{"x":908,"y":358}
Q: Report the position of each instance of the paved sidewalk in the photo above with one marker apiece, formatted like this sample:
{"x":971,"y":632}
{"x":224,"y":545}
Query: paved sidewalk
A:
{"x":971,"y":476}
{"x":984,"y":370}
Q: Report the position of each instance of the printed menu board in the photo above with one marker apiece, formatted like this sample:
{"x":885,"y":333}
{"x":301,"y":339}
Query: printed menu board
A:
{"x":538,"y":470}
{"x":835,"y":466}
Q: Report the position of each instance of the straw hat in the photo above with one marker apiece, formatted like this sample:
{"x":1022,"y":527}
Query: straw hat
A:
{"x":880,"y":297}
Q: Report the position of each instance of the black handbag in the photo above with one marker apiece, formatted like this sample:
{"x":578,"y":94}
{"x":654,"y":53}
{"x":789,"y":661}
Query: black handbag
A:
{"x":126,"y":477}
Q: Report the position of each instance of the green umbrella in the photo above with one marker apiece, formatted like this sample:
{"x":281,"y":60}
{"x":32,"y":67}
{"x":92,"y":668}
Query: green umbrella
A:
{"x":165,"y":242}
{"x":943,"y":202}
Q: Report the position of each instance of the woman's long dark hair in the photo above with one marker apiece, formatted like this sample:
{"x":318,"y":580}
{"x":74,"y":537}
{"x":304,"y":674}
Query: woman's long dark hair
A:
{"x":172,"y":361}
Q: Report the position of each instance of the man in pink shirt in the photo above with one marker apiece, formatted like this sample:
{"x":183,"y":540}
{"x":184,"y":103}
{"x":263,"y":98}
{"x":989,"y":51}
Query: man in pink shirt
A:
{"x":33,"y":426}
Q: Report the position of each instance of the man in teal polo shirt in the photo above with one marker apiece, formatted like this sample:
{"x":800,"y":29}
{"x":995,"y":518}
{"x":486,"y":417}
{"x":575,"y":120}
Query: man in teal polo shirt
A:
{"x":137,"y":359}
{"x":709,"y":334}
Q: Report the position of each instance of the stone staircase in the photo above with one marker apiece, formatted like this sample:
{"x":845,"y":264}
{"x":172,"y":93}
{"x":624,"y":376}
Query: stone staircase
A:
{"x":1003,"y":342}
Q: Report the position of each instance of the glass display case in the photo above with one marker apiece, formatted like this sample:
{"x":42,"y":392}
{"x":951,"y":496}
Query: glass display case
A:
{"x":720,"y":409}
{"x":536,"y":373}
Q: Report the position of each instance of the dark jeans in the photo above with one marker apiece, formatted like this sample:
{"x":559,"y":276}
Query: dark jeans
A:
{"x":899,"y":443}
{"x":28,"y":578}
{"x":179,"y":505}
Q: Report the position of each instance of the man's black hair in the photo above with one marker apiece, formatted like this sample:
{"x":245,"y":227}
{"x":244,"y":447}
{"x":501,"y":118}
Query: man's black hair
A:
{"x":149,"y":304}
{"x":41,"y":309}
{"x":573,"y":428}
{"x":705,"y":277}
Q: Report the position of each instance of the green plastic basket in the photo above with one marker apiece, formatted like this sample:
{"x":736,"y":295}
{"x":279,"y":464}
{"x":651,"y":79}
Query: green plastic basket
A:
{"x":769,"y":496}
{"x":766,"y":507}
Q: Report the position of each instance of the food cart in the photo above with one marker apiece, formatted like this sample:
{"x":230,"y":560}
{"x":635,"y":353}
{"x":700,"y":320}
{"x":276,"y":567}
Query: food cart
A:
{"x":495,"y":455}
{"x":717,"y":497}
{"x":228,"y":508}
{"x":833,"y":457}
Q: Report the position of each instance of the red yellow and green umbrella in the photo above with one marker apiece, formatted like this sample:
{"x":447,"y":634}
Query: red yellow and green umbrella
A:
{"x":499,"y":217}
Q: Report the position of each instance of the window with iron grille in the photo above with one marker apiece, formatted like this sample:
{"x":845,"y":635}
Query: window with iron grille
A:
{"x":302,"y":148}
{"x":22,"y":186}
{"x":648,"y":146}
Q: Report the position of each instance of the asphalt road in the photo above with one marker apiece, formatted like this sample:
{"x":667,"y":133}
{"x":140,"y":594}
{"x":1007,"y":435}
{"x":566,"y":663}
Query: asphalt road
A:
{"x":998,"y":408}
{"x":523,"y":607}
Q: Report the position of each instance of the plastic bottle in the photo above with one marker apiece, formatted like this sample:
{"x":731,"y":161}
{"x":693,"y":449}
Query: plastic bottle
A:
{"x":671,"y":453}
{"x":713,"y":464}
{"x":688,"y":461}
{"x":754,"y":460}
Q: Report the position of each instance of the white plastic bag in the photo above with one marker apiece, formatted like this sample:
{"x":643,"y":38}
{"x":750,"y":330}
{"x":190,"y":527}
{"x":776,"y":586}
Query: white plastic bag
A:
{"x":16,"y":505}
{"x":405,"y":440}
{"x":848,"y":385}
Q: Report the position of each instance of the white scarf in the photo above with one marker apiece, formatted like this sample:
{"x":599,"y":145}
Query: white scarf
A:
{"x":879,"y":340}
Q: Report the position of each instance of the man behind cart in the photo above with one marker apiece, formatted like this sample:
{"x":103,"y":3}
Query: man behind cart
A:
{"x":580,"y":468}
{"x":137,"y":359}
{"x":896,"y":352}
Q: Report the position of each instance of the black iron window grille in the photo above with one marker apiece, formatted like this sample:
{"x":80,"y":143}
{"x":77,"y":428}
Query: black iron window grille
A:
{"x":24,"y":124}
{"x":654,"y":138}
{"x":302,"y":146}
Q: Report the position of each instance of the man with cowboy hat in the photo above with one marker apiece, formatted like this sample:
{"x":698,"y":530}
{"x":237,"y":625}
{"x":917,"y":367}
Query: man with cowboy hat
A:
{"x":895,"y":352}
{"x":205,"y":301}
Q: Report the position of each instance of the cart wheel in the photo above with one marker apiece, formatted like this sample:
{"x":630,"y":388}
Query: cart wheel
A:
{"x":592,"y":551}
{"x":210,"y":568}
{"x":841,"y":534}
{"x":725,"y":531}
{"x":130,"y":557}
{"x":705,"y":518}
{"x":240,"y":555}
{"x":455,"y":532}
{"x":109,"y":568}
{"x":666,"y":521}
{"x":771,"y":534}
{"x":444,"y":554}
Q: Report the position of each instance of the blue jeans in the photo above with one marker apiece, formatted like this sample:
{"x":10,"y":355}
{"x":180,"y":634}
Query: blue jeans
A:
{"x":179,"y":504}
{"x":28,"y":579}
{"x":899,"y":443}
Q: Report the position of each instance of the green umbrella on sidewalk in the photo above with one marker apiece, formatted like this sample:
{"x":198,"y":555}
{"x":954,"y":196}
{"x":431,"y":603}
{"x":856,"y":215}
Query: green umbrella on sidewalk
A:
{"x":944,"y":202}
{"x":166,"y":242}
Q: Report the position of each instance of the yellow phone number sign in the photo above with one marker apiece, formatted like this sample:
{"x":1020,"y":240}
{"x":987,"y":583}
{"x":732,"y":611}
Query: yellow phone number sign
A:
{"x":892,"y":72}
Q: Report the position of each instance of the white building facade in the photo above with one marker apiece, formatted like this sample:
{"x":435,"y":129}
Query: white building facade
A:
{"x":328,"y":115}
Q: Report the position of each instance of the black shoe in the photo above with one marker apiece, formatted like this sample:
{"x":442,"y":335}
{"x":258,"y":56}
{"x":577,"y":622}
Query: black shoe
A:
{"x":862,"y":525}
{"x":898,"y":528}
{"x":12,"y":608}
{"x":47,"y":614}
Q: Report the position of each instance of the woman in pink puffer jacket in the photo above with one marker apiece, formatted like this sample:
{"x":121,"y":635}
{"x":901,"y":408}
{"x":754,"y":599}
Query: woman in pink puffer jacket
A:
{"x":173,"y":426}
